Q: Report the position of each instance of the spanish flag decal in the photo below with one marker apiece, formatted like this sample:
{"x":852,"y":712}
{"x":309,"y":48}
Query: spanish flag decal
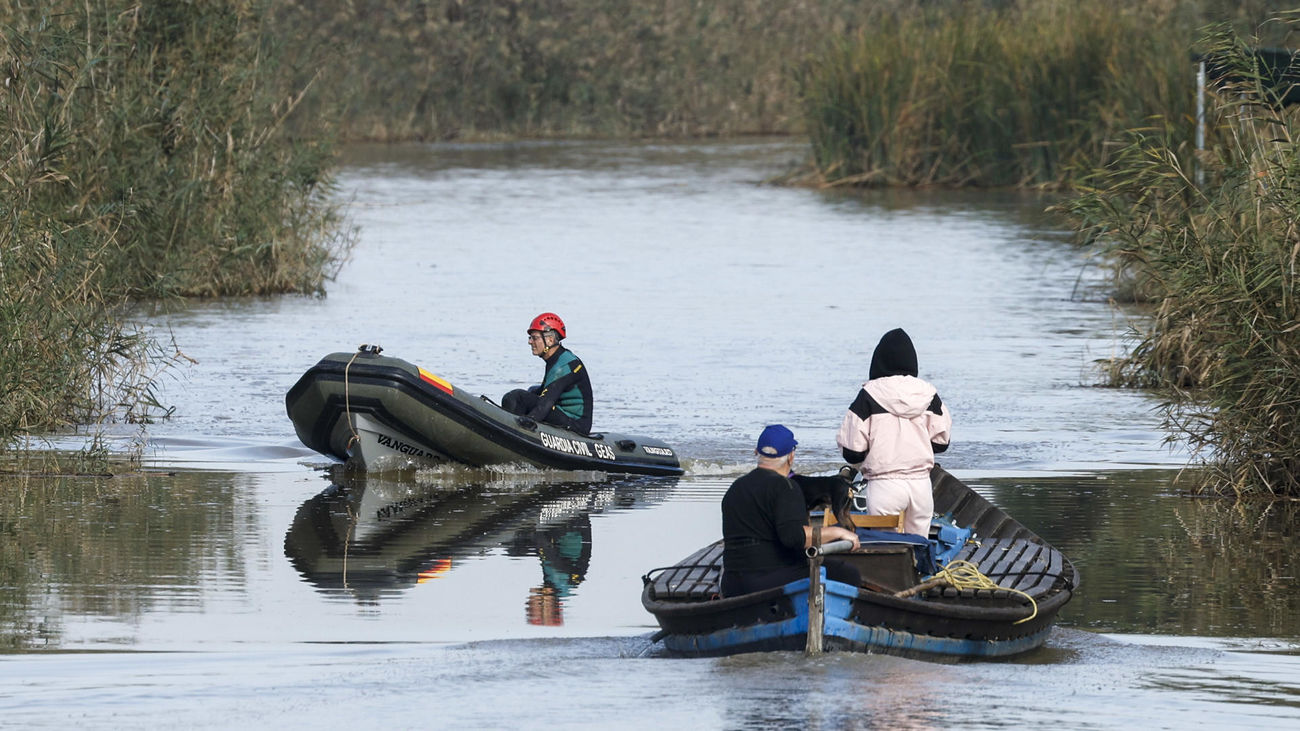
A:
{"x":431,"y":379}
{"x":436,"y":570}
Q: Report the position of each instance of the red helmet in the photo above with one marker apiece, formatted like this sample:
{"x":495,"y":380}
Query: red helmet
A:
{"x":548,"y":321}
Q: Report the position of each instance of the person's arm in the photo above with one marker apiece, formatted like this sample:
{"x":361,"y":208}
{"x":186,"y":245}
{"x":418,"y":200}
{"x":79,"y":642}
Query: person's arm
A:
{"x":789,"y":517}
{"x":939,"y":425}
{"x":792,"y":524}
{"x":854,"y":434}
{"x":852,"y":457}
{"x":831,"y":533}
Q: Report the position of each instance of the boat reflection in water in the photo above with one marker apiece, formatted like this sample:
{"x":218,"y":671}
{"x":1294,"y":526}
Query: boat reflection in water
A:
{"x":368,"y":536}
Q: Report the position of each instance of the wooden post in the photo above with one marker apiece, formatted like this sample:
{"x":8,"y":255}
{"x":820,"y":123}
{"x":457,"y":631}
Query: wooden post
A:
{"x":816,"y":599}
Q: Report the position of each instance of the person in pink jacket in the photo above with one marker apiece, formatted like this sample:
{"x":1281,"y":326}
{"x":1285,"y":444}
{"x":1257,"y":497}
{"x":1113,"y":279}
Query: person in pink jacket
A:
{"x":892,"y":431}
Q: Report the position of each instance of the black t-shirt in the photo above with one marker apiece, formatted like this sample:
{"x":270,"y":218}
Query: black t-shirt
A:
{"x":763,"y":519}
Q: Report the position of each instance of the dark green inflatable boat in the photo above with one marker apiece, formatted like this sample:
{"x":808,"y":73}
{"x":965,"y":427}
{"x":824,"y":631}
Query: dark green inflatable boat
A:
{"x":385,"y":414}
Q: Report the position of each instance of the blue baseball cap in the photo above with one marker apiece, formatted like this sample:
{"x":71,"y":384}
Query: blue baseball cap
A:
{"x":775,"y":441}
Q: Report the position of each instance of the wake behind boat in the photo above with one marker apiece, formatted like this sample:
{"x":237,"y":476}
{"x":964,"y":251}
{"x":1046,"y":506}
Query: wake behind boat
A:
{"x":385,"y":413}
{"x":895,"y":611}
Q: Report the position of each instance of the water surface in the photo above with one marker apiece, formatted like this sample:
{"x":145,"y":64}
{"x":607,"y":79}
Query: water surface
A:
{"x":242,"y":582}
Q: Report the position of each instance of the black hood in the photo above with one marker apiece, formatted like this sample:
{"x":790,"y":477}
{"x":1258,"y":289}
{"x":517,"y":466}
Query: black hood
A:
{"x":894,"y":356}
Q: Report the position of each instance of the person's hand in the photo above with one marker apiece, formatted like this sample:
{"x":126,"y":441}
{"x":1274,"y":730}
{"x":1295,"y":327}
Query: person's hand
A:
{"x":526,"y":423}
{"x":850,"y":535}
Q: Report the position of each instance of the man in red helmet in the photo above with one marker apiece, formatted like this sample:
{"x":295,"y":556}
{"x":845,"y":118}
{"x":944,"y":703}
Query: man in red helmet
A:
{"x":563,"y":398}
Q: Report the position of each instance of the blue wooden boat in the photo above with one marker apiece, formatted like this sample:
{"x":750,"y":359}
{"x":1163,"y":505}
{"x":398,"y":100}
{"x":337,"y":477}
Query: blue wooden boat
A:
{"x":896,"y":610}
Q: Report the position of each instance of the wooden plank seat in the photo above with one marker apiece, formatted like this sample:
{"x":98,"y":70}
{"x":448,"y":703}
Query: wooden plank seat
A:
{"x":874,"y":522}
{"x":697,"y":577}
{"x":1014,"y":563}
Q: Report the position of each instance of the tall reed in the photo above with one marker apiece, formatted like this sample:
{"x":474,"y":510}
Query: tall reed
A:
{"x":1214,"y":237}
{"x":442,"y":69}
{"x":466,"y":69}
{"x":143,"y":153}
{"x":1021,"y":94}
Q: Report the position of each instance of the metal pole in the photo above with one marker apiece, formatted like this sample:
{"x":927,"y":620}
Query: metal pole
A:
{"x":1200,"y":122}
{"x":839,"y":546}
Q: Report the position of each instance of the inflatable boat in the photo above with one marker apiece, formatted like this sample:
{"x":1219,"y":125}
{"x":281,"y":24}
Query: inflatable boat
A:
{"x":385,"y":413}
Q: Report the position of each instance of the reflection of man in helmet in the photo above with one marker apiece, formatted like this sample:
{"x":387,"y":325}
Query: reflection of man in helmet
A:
{"x":564,"y":396}
{"x":564,"y":550}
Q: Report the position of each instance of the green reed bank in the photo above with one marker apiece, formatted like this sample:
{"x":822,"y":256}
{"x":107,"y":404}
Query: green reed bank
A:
{"x":145,"y":154}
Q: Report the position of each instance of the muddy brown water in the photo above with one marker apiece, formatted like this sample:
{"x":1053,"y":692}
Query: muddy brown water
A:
{"x":243,"y":582}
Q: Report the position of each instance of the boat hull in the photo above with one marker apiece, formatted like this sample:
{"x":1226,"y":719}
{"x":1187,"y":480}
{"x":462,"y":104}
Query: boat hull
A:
{"x":848,"y":626}
{"x":385,"y":413}
{"x":937,"y":623}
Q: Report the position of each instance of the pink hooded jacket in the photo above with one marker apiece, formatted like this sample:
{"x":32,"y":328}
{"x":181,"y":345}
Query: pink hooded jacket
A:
{"x":897,"y":422}
{"x":892,"y":422}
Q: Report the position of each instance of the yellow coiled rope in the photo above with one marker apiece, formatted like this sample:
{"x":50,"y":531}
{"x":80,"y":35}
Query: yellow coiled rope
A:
{"x":965,"y":575}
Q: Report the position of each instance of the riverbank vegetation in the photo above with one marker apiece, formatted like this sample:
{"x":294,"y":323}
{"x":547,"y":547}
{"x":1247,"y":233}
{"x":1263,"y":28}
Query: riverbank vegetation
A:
{"x":963,"y":96}
{"x":1028,"y":94}
{"x":910,"y":74}
{"x":143,"y":154}
{"x":1211,"y":239}
{"x":484,"y":69}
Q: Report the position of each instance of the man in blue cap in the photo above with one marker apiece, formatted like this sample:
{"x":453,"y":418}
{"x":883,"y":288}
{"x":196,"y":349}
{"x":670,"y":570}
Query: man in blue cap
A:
{"x":765,"y":524}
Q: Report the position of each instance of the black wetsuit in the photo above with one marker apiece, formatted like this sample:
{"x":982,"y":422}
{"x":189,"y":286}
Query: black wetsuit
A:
{"x":564,"y":398}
